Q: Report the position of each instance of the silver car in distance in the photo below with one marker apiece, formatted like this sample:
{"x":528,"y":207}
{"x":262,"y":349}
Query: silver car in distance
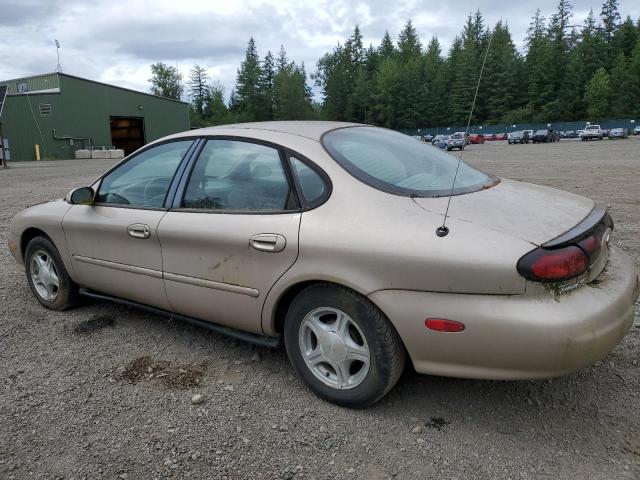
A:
{"x":323,"y":235}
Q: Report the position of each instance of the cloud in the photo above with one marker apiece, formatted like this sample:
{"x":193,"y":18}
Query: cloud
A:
{"x":115,"y":42}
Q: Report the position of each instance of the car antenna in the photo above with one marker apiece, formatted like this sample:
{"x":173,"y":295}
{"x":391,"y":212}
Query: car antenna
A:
{"x":443,"y":230}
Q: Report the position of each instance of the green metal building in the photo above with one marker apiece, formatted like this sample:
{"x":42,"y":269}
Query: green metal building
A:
{"x":61,"y":114}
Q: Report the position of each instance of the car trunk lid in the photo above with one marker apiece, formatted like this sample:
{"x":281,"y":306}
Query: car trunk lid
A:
{"x":540,"y":215}
{"x":530,"y":212}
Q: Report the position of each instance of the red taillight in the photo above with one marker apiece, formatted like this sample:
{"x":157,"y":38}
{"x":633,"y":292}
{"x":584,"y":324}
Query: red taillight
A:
{"x":544,"y":265}
{"x":590,"y":244}
{"x":443,"y":325}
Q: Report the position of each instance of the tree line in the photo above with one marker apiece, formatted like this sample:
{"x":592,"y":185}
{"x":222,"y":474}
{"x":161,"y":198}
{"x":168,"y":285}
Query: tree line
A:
{"x":567,"y":72}
{"x":274,"y":88}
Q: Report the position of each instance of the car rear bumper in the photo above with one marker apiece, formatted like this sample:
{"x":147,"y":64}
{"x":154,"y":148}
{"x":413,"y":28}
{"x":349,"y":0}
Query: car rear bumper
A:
{"x":517,"y":336}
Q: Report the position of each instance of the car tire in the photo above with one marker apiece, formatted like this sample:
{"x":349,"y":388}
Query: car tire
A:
{"x":44,"y":269}
{"x":351,"y":383}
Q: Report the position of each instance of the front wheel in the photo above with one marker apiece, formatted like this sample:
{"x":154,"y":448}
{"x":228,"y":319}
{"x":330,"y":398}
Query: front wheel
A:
{"x":342,"y":346}
{"x":47,"y":276}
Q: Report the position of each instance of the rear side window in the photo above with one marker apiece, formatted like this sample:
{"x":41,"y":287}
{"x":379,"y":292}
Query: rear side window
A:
{"x":396,"y":163}
{"x":143,"y":181}
{"x":314,"y":189}
{"x":238,"y":176}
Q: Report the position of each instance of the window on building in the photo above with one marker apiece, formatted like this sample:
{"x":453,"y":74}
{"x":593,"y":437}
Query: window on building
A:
{"x":22,"y":87}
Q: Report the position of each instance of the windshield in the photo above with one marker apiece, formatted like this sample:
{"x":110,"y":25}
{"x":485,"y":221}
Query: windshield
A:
{"x":395,"y":163}
{"x":541,"y":132}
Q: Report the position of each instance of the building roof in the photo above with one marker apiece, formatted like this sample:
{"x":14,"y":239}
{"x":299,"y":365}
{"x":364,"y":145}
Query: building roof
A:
{"x":12,"y":81}
{"x":311,"y":129}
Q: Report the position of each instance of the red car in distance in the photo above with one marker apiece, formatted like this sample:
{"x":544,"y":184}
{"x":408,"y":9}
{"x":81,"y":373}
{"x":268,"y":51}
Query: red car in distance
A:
{"x":476,"y":138}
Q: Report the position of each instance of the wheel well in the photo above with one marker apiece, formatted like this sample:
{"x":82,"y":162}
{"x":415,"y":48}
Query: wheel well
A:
{"x":28,"y":235}
{"x":285,"y":301}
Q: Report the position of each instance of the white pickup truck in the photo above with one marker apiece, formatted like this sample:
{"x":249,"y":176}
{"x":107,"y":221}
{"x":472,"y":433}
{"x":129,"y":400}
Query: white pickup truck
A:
{"x":591,"y":132}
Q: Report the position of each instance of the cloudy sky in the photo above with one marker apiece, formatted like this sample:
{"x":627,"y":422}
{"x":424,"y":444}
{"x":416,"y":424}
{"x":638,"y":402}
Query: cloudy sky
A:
{"x":115,"y":42}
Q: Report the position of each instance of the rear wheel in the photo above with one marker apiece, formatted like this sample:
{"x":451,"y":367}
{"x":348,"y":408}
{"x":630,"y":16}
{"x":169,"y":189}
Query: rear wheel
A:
{"x":47,"y":277}
{"x":342,"y":346}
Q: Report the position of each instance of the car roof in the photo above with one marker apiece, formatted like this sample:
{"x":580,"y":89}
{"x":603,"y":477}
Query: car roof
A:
{"x":305,"y":128}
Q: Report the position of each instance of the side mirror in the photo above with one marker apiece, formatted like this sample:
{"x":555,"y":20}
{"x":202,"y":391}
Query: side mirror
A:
{"x":80,"y":196}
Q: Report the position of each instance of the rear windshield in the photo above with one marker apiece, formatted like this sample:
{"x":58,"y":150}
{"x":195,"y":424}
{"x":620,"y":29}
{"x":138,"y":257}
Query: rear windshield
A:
{"x":395,"y":163}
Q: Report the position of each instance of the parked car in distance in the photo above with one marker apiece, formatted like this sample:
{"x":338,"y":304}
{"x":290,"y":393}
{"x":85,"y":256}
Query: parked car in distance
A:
{"x":545,"y":136}
{"x":501,"y":136}
{"x":636,"y":130}
{"x":529,"y":132}
{"x":540,"y":136}
{"x":241,"y":229}
{"x":476,"y":138}
{"x":436,"y":139}
{"x":467,"y":140}
{"x":519,"y":136}
{"x":451,"y":142}
{"x":428,"y":138}
{"x":592,"y":132}
{"x":570,"y":134}
{"x":617,"y":133}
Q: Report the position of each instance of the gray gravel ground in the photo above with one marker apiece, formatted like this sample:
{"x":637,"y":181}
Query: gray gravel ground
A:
{"x":105,"y":391}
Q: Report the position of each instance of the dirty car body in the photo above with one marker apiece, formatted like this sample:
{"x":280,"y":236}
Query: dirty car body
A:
{"x":323,"y":234}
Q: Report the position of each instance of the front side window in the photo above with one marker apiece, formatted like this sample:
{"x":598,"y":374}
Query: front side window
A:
{"x":395,"y":163}
{"x":238,"y":176}
{"x":144,"y":180}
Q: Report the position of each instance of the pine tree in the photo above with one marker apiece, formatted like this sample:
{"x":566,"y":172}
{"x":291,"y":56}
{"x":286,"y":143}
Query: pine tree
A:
{"x":634,"y":75}
{"x":500,"y":74}
{"x":387,"y":49}
{"x":624,"y":39}
{"x":386,"y":93}
{"x":198,"y":88}
{"x":409,"y":46}
{"x":283,"y":61}
{"x":165,"y":81}
{"x":597,"y":93}
{"x":539,"y":68}
{"x":216,"y":111}
{"x":610,"y":19}
{"x":560,"y":46}
{"x":622,"y":101}
{"x":434,"y":102}
{"x":291,"y":95}
{"x":266,"y":87}
{"x":247,"y":99}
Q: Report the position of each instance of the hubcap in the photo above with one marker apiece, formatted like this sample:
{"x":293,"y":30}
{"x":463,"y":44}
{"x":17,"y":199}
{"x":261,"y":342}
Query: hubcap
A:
{"x":334,"y":348}
{"x":44,"y":275}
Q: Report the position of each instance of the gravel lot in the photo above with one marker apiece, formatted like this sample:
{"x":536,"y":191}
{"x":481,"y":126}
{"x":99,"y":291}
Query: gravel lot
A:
{"x":105,"y":391}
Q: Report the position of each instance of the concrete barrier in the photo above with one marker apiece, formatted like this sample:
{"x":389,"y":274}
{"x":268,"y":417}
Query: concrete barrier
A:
{"x":100,"y":154}
{"x":84,"y":154}
{"x":116,"y":153}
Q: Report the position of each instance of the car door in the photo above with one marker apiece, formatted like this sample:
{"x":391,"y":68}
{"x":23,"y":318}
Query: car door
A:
{"x":232,"y":234}
{"x":113,"y":243}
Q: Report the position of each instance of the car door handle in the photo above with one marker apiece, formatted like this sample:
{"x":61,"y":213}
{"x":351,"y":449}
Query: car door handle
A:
{"x":268,"y":242}
{"x":139,"y":230}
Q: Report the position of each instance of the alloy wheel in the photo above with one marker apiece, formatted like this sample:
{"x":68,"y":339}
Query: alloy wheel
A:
{"x":44,"y":275}
{"x":334,"y":348}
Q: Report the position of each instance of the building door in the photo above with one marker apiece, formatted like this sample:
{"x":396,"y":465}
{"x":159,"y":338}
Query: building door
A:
{"x":127,"y":133}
